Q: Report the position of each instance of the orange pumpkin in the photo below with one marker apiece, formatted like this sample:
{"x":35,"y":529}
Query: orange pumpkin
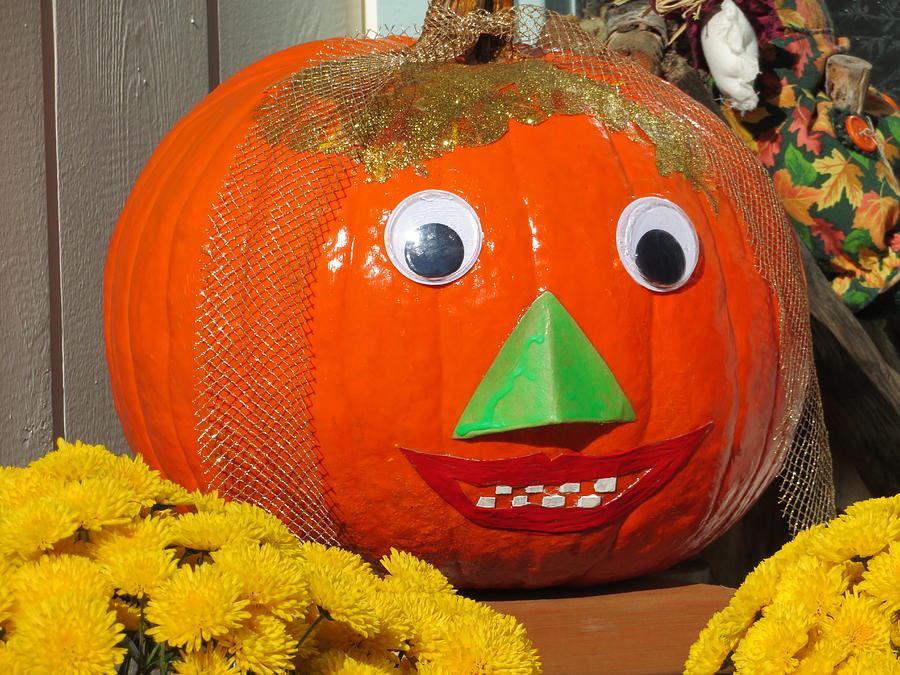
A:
{"x":539,"y":361}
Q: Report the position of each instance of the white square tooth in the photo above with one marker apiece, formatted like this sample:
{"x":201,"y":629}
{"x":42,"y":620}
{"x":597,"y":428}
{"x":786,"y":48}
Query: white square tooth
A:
{"x":588,"y":501}
{"x":487,"y":502}
{"x":553,"y":501}
{"x":569,"y":488}
{"x":605,"y":485}
{"x":533,"y":489}
{"x":503,"y":490}
{"x":519,"y":500}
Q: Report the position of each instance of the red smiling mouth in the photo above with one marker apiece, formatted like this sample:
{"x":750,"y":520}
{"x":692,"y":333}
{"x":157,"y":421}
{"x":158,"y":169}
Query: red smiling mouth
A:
{"x":563,"y":507}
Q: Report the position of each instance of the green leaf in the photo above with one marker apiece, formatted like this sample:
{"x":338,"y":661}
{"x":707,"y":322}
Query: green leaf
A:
{"x":893,"y":123}
{"x":857,"y":239}
{"x":801,"y":169}
{"x":856,"y":299}
{"x":862,"y":160}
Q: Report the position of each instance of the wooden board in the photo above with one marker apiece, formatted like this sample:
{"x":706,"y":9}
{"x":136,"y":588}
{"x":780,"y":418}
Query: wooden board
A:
{"x":125,"y":73}
{"x":26,"y":416}
{"x":249,"y":31}
{"x":626,"y":630}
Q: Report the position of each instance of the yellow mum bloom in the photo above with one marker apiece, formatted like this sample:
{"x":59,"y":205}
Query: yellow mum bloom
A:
{"x":20,"y":486}
{"x":145,"y":534}
{"x":889,"y":505}
{"x":859,"y":624}
{"x":343,"y":596}
{"x":757,"y":590}
{"x":338,"y":662}
{"x":137,"y":572}
{"x":715,"y":643}
{"x":29,"y":530}
{"x":146,"y":483}
{"x":408,"y":573}
{"x":272,"y":582}
{"x":881,"y":579}
{"x":814,"y":585}
{"x":474,"y":645}
{"x":333,"y":557}
{"x":128,"y":615}
{"x":73,"y":634}
{"x":270,"y":530}
{"x":99,"y":501}
{"x":206,"y":502}
{"x":57,"y":575}
{"x":871,"y":663}
{"x":770,"y":645}
{"x":861,"y":535}
{"x":210,"y":531}
{"x":211,"y":661}
{"x":196,"y":604}
{"x":73,"y":461}
{"x":262,"y":645}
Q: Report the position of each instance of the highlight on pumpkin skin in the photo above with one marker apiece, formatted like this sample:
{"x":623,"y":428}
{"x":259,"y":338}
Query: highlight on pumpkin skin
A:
{"x":156,"y":576}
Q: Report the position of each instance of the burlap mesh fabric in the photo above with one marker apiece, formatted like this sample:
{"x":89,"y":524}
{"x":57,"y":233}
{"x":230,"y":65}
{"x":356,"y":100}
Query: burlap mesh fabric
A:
{"x":332,"y":123}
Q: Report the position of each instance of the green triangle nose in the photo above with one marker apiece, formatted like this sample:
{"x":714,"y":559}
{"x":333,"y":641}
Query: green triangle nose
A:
{"x":547,"y":372}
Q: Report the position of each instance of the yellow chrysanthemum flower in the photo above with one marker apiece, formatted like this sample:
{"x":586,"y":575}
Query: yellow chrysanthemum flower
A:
{"x":881,"y":579}
{"x":146,"y":483}
{"x":715,"y":643}
{"x":145,"y":534}
{"x":870,"y":663}
{"x":210,"y":531}
{"x":339,"y":662}
{"x":408,"y":573}
{"x":127,"y":614}
{"x":206,"y":502}
{"x":196,"y":604}
{"x":770,"y":645}
{"x":757,"y":590}
{"x":261,"y":645}
{"x":211,"y":661}
{"x":31,"y":529}
{"x":477,"y":645}
{"x":57,"y":575}
{"x":813,"y":584}
{"x":270,"y":529}
{"x":859,"y":623}
{"x":73,"y":461}
{"x":272,"y":582}
{"x":343,"y":595}
{"x":20,"y":486}
{"x":138,"y":572}
{"x":100,"y":501}
{"x":861,"y":535}
{"x":333,"y":557}
{"x":74,"y":634}
{"x":888,"y":505}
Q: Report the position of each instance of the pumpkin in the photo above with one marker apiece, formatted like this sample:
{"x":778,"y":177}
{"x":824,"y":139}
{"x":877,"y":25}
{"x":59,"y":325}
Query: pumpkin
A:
{"x":533,"y":361}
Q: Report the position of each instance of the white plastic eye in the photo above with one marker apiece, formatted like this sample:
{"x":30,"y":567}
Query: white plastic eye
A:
{"x":657,"y":243}
{"x":433,"y":237}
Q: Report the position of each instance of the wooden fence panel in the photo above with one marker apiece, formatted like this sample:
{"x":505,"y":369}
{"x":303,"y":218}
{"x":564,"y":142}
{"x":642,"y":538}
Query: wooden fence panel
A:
{"x":249,"y":31}
{"x":26,"y":418}
{"x":126,"y":71}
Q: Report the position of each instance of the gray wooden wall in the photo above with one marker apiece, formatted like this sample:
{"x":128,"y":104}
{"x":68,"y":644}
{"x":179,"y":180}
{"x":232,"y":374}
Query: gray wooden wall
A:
{"x":89,"y":88}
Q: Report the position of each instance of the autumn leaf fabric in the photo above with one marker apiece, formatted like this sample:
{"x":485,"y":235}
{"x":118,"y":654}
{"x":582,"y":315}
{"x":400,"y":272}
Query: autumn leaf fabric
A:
{"x":843,"y":200}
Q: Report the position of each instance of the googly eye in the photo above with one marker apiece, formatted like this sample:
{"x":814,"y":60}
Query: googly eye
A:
{"x":657,"y":243}
{"x":433,"y":237}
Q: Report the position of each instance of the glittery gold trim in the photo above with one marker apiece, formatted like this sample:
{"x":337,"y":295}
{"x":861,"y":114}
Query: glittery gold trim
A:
{"x":428,"y":109}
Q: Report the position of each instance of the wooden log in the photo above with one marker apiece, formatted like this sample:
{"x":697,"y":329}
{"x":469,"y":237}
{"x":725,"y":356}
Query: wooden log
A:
{"x":847,"y":81}
{"x":635,"y":30}
{"x":860,"y":392}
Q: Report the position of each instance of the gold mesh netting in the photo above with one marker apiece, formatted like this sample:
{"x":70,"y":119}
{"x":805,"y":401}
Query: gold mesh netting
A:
{"x":379,"y":105}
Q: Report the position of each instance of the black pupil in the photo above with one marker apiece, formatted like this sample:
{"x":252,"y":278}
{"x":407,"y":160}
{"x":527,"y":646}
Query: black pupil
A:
{"x":434,"y":250}
{"x":660,"y":258}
